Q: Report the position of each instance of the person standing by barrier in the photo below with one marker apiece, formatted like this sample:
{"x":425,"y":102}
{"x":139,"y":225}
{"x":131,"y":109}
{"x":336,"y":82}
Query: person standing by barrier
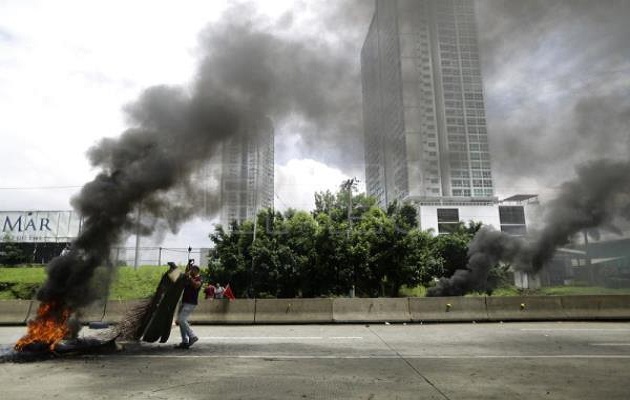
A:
{"x":189,"y":302}
{"x":218,"y":293}
{"x":209,"y":291}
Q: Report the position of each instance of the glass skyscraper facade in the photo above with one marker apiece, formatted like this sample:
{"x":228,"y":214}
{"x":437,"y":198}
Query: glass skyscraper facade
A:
{"x":423,"y":106}
{"x":247,"y":177}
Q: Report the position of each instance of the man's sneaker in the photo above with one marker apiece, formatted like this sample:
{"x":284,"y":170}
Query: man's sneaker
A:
{"x":182,"y":345}
{"x":192,"y":340}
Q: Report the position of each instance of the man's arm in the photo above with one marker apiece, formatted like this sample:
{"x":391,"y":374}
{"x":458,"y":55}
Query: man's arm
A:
{"x":195,"y":282}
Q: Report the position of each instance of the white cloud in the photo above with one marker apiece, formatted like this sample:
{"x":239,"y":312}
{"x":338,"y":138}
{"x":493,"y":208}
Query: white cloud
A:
{"x":297,"y":181}
{"x":66,"y":70}
{"x":68,"y":67}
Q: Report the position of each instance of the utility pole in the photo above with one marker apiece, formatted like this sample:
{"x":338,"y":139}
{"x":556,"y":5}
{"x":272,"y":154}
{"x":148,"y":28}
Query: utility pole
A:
{"x":587,"y":259}
{"x":349,"y":185}
{"x":256,"y":188}
{"x":137,"y":249}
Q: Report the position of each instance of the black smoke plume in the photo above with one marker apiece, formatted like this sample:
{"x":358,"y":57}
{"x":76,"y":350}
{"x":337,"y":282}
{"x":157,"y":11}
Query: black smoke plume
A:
{"x":247,"y":74}
{"x":560,"y":61}
{"x":593,"y":202}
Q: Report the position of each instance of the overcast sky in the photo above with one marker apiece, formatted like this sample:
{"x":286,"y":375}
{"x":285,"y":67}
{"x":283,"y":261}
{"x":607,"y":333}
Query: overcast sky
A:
{"x":556,"y":78}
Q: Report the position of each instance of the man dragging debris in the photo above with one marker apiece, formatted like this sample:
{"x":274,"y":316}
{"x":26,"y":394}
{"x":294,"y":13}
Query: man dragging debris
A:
{"x":189,"y":302}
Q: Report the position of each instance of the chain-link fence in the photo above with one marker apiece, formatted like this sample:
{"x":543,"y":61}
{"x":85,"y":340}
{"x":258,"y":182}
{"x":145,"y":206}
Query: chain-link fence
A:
{"x":126,"y":256}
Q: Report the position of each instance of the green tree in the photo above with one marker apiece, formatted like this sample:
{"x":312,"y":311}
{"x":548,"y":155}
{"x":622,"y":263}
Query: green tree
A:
{"x":300,"y":238}
{"x":228,"y":262}
{"x":422,"y":262}
{"x":332,"y":272}
{"x":346,"y":242}
{"x":453,"y":247}
{"x":10,"y":252}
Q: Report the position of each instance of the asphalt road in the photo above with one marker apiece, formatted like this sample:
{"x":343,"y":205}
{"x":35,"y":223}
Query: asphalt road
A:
{"x":566,"y":360}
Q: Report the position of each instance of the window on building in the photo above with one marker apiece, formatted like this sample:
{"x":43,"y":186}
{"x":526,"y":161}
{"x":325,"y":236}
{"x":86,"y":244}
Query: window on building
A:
{"x":512,"y":215}
{"x":514,"y":230}
{"x":448,"y":220}
{"x":512,"y":220}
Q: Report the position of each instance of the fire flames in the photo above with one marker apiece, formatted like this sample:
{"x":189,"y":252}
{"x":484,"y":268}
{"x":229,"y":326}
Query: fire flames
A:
{"x":50,"y":326}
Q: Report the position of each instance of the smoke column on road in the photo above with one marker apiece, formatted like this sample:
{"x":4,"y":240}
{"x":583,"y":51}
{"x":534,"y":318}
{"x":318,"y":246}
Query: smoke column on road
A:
{"x":246,"y":75}
{"x":598,"y":196}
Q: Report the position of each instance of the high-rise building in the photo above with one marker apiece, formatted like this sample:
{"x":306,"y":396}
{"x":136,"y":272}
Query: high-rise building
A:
{"x":247,"y":175}
{"x":424,"y":118}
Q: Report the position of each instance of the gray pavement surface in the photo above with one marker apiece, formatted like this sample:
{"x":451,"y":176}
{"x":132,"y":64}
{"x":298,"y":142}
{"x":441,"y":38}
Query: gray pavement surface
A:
{"x":544,"y":360}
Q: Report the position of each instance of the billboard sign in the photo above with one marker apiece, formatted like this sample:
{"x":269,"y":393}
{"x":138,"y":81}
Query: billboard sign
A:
{"x":39,"y":226}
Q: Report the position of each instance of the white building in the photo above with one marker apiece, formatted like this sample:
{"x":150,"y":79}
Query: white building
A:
{"x":509,"y":215}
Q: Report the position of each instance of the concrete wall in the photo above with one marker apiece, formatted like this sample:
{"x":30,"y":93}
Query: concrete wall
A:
{"x":345,"y":310}
{"x":596,"y":307}
{"x":294,"y":311}
{"x":14,"y":312}
{"x":371,"y":310}
{"x":116,"y":309}
{"x":218,"y":311}
{"x":439,"y":309}
{"x":525,"y":308}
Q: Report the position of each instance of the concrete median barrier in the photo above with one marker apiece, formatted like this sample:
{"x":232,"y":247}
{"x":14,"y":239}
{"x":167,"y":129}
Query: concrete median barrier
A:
{"x":219,"y":311}
{"x":115,"y":310}
{"x":294,"y":311}
{"x":351,"y":310}
{"x":438,"y":309}
{"x":14,"y":312}
{"x":371,"y":310}
{"x":596,"y":307}
{"x":524,"y":308}
{"x":32,"y":310}
{"x":94,"y":313}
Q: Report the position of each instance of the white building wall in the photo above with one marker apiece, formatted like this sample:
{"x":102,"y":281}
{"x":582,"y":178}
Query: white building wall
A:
{"x":488,"y":215}
{"x":39,"y":226}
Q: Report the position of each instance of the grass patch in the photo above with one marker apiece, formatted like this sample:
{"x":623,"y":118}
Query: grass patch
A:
{"x":23,"y":275}
{"x":7,"y":295}
{"x":581,"y":290}
{"x":420,"y":291}
{"x":128,"y":283}
{"x":417,"y":291}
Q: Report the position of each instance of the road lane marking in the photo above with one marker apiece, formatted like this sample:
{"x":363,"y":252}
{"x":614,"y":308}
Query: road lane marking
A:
{"x":609,"y":344}
{"x":262,"y":337}
{"x":576,"y":329}
{"x":346,"y":337}
{"x":280,"y":337}
{"x":363,"y":357}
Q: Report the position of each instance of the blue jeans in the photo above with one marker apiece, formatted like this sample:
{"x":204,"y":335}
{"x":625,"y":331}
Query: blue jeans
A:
{"x":182,"y":319}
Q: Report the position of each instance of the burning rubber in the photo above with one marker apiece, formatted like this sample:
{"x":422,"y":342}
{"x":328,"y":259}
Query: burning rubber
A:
{"x":54,"y":331}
